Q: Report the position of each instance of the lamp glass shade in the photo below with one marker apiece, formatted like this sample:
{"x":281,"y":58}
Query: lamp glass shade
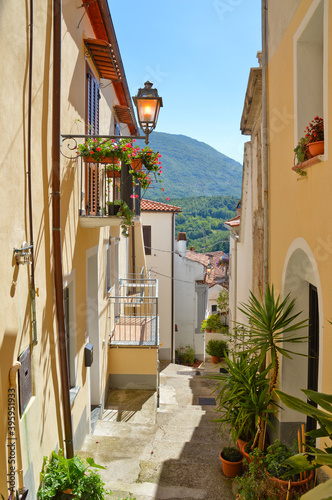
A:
{"x":148,"y":111}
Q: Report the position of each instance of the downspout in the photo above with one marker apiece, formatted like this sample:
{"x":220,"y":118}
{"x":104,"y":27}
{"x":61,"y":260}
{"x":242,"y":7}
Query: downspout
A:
{"x":265,"y":142}
{"x":56,"y":229}
{"x":32,"y":268}
{"x":17,"y":442}
{"x":172,"y":290}
{"x":234,"y":272}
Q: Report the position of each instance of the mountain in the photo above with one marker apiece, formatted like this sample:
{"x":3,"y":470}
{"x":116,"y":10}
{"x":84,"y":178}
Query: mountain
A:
{"x":192,"y":168}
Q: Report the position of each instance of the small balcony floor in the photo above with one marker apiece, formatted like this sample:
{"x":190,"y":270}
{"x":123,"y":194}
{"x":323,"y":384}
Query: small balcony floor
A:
{"x":134,"y":330}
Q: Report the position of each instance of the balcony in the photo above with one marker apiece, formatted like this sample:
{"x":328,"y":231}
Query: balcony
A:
{"x":100,"y":187}
{"x":134,"y":308}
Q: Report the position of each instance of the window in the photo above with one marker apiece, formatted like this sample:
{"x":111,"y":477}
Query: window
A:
{"x":109,"y":270}
{"x":147,"y":239}
{"x":92,"y":206}
{"x":92,"y":104}
{"x":214,"y":308}
{"x":309,"y":68}
{"x":70,"y":332}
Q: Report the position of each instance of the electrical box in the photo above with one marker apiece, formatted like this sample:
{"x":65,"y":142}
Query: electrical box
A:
{"x":88,"y":354}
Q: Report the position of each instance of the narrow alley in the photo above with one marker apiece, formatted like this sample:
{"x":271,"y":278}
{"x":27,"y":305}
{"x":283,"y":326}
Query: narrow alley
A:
{"x":167,"y":453}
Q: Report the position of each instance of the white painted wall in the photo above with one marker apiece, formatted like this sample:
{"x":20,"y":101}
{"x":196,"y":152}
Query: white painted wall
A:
{"x":160,"y":263}
{"x":186,"y":274}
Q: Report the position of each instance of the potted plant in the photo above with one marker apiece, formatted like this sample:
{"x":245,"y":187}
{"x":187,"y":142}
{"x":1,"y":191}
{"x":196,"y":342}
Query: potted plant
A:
{"x":279,"y":472}
{"x":185,"y":355}
{"x":243,"y":397}
{"x":312,"y":458}
{"x":272,"y":327}
{"x":99,"y":150}
{"x":216,"y":349}
{"x":231,"y":460}
{"x":314,"y":134}
{"x":70,"y":477}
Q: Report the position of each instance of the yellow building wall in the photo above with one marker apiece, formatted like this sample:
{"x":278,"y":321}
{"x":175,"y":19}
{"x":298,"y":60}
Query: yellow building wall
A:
{"x":133,"y":360}
{"x":299,"y":207}
{"x":41,"y":427}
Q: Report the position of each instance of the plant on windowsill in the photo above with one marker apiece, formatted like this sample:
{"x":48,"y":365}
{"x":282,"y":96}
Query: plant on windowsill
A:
{"x":314,"y":134}
{"x":312,"y":144}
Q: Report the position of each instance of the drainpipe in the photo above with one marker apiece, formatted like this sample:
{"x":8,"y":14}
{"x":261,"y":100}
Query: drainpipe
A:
{"x":265,"y":142}
{"x":32,"y":268}
{"x":17,"y":446}
{"x":56,"y":229}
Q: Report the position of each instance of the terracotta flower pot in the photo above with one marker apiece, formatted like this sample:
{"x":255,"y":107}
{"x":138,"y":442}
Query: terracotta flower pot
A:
{"x":241,"y":444}
{"x":136,"y":164}
{"x":316,"y":148}
{"x":109,"y":173}
{"x":295,"y":485}
{"x":231,"y":469}
{"x":112,"y":159}
{"x":215,"y":359}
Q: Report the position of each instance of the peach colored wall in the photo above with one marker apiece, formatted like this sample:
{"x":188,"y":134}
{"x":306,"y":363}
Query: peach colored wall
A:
{"x":299,"y":207}
{"x":133,"y":360}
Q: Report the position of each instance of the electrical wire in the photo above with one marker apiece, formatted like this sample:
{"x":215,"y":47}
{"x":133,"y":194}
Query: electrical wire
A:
{"x":176,"y":252}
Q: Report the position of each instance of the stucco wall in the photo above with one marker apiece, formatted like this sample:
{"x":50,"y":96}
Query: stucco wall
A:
{"x":41,"y":426}
{"x":160,"y":264}
{"x":298,"y":207}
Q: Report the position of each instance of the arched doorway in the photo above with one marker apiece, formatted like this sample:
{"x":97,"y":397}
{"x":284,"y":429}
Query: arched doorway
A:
{"x":301,"y":281}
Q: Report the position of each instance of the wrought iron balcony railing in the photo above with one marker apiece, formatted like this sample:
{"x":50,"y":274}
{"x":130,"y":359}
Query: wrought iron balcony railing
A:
{"x":134,"y":307}
{"x":101,"y":189}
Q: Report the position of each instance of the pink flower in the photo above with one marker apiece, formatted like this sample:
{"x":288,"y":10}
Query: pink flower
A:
{"x":98,"y":149}
{"x":131,"y":196}
{"x":167,"y":199}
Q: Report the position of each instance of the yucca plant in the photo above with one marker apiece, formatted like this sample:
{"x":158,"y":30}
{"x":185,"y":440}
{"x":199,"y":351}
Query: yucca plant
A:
{"x":271,"y":323}
{"x":243,"y":398}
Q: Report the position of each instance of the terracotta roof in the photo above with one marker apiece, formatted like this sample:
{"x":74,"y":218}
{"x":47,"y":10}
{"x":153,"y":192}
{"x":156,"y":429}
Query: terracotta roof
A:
{"x":233,"y":222}
{"x":157,"y":206}
{"x":202,"y":258}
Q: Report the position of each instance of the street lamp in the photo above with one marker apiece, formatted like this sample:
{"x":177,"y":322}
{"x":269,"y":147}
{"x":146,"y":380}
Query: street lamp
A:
{"x":148,"y":104}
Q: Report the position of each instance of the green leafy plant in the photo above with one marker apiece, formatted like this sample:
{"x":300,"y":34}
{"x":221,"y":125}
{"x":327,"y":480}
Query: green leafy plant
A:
{"x":243,"y":397}
{"x":314,"y":132}
{"x":185,"y":355}
{"x":255,"y":483}
{"x":276,"y":454}
{"x":61,"y":476}
{"x":313,"y":458}
{"x":212,"y":323}
{"x":127,"y":214}
{"x":271,"y":324}
{"x":301,"y":153}
{"x":231,"y":454}
{"x":223,"y":302}
{"x":216,"y":347}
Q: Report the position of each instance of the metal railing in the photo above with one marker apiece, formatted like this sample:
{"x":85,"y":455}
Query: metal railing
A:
{"x":101,"y":185}
{"x":135,"y":312}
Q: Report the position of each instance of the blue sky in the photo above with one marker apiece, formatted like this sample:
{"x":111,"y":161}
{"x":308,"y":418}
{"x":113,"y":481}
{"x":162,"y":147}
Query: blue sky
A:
{"x":198,"y":53}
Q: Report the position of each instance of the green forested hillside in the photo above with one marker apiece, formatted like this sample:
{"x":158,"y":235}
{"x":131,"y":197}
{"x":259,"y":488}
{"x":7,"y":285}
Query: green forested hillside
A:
{"x":192,"y":168}
{"x":203,"y":218}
